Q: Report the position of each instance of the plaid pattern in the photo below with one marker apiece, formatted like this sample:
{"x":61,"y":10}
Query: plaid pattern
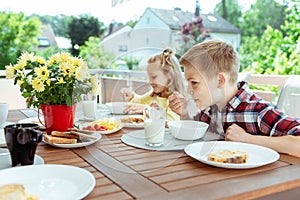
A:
{"x":253,"y":114}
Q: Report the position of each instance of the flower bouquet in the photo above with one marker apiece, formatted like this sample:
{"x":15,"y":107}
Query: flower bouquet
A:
{"x":58,"y":81}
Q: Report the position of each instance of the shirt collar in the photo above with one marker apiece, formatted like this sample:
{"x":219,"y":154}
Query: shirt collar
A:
{"x":244,"y":93}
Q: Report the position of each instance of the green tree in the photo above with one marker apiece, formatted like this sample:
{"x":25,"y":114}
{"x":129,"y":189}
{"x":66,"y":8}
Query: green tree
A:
{"x":277,"y":50}
{"x":17,"y":34}
{"x":95,"y":55}
{"x":232,"y":9}
{"x":80,"y":29}
{"x":262,"y":14}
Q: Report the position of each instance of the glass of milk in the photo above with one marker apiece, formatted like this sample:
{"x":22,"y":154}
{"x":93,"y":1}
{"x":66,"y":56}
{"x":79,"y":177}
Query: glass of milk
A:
{"x":89,"y":106}
{"x":154,"y":125}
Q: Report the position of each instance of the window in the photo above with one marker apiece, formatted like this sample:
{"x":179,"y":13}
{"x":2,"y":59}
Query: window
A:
{"x":44,"y":42}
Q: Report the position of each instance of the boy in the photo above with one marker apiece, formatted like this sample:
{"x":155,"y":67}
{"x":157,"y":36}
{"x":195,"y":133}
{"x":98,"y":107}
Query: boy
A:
{"x":232,"y":109}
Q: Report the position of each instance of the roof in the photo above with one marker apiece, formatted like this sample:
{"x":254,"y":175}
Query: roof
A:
{"x":176,"y":18}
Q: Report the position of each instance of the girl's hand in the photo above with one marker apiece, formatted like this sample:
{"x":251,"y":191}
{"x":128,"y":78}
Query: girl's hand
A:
{"x":135,"y":108}
{"x":127,"y":94}
{"x":238,"y":134}
{"x":179,"y":104}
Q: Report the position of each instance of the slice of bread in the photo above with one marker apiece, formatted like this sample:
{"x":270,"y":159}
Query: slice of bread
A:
{"x":65,"y":134}
{"x":228,"y":156}
{"x":15,"y":191}
{"x":59,"y":140}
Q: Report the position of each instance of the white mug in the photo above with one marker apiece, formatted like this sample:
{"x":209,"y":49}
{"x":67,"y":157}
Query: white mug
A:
{"x":154,"y":126}
{"x":3,"y":114}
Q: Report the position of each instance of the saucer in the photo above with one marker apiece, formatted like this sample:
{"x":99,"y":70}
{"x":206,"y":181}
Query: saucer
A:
{"x":6,"y":160}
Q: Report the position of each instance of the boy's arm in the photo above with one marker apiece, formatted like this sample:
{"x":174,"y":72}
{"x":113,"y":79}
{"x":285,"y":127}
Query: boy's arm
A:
{"x":288,"y":144}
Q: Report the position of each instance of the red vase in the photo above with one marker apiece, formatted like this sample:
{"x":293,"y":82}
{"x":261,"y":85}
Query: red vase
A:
{"x":58,"y":117}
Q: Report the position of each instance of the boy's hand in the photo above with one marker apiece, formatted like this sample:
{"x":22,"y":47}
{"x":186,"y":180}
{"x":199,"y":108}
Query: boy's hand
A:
{"x":238,"y":134}
{"x":178,"y":104}
{"x":127,"y":94}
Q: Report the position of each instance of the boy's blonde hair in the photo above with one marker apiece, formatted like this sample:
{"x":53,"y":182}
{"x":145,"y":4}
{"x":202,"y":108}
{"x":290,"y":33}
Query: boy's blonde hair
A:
{"x":171,"y":68}
{"x":212,"y":57}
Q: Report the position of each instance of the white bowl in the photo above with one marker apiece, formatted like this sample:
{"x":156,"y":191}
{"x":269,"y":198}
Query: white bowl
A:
{"x":117,"y":107}
{"x":188,"y":129}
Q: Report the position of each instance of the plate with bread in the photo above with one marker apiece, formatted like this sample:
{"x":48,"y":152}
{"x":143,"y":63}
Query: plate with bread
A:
{"x":103,"y":126}
{"x":232,"y":155}
{"x":46,"y":182}
{"x":71,"y":139}
{"x":131,"y":121}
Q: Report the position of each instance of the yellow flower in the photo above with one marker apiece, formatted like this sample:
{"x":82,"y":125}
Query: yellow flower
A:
{"x":40,"y":60}
{"x":48,"y":82}
{"x":38,"y":85}
{"x":67,"y":69}
{"x":10,"y":71}
{"x":82,"y":72}
{"x":63,"y":57}
{"x":20,"y":65}
{"x":27,"y":57}
{"x":42,"y":72}
{"x":20,"y":82}
{"x":60,"y":81}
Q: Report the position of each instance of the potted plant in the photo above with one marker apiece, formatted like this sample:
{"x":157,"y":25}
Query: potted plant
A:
{"x":54,"y":85}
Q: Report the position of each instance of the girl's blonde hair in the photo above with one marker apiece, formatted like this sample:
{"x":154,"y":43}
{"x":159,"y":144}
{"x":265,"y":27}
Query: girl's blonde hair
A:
{"x":171,"y":68}
{"x":212,"y":57}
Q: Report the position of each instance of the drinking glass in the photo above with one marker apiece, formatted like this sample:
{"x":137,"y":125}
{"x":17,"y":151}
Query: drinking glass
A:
{"x":89,"y":106}
{"x":154,"y":125}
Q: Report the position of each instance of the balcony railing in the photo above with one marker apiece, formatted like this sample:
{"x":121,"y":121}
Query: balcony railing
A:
{"x":113,"y":80}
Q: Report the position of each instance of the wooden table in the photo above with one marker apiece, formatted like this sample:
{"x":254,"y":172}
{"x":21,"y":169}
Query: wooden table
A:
{"x":125,"y":172}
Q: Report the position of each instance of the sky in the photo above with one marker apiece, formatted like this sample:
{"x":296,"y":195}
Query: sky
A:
{"x":102,"y":9}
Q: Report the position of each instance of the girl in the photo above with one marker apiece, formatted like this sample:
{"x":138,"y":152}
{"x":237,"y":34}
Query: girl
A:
{"x":165,"y":77}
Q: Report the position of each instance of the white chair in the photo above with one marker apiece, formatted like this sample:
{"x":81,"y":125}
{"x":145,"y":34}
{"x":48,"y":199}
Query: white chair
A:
{"x":289,"y":97}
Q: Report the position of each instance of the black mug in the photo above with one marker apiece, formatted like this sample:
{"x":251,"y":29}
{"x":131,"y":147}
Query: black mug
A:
{"x":22,"y":140}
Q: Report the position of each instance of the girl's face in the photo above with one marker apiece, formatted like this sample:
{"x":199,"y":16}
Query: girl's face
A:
{"x":157,"y":79}
{"x":201,"y":88}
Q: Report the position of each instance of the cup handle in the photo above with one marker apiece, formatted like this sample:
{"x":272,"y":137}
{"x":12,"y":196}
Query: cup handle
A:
{"x":39,"y":118}
{"x":39,"y":135}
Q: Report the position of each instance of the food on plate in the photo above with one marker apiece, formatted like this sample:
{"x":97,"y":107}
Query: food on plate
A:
{"x":70,"y":137}
{"x":59,"y":140}
{"x":15,"y":191}
{"x":229,"y":156}
{"x":134,"y":120}
{"x":105,"y":124}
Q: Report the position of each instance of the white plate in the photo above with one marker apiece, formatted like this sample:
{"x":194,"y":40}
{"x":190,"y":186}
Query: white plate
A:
{"x":34,"y":120}
{"x":86,"y":142}
{"x":6,"y":160}
{"x":257,"y":155}
{"x":131,"y":125}
{"x":81,"y":126}
{"x":50,"y":182}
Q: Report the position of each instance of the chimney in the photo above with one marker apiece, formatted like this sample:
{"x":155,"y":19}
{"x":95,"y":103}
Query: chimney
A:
{"x":197,"y":11}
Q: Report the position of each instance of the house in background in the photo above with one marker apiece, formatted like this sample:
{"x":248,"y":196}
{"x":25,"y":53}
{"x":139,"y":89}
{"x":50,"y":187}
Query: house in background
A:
{"x":159,"y":28}
{"x":47,"y":37}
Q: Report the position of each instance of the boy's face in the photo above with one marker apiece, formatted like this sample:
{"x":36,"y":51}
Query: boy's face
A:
{"x":200,"y":87}
{"x":157,"y":79}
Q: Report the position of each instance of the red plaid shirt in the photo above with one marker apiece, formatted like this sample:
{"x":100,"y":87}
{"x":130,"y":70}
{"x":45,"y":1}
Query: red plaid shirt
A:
{"x":252,"y":113}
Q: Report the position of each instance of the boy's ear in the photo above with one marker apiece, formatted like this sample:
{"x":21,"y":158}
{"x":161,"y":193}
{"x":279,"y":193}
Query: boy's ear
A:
{"x":222,"y":79}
